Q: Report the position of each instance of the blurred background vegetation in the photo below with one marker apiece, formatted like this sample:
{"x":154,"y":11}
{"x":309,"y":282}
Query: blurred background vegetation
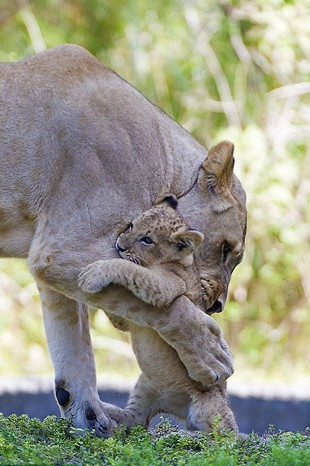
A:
{"x":236,"y":69}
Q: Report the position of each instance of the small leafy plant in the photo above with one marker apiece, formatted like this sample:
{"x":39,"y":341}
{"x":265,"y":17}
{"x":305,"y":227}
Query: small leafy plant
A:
{"x":55,"y":442}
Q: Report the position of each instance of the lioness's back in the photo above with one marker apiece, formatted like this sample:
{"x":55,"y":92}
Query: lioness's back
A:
{"x":67,"y":117}
{"x":52,"y":65}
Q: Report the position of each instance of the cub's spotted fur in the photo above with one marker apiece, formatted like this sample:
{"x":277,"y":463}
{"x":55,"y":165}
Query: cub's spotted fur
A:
{"x":158,"y":247}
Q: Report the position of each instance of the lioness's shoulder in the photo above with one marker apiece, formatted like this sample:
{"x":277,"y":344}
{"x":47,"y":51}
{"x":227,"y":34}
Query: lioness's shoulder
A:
{"x":59,"y":68}
{"x":61,"y":52}
{"x":65,"y":56}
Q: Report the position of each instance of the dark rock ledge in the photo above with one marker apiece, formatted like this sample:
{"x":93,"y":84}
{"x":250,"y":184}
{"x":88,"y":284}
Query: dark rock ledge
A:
{"x":256,"y":405}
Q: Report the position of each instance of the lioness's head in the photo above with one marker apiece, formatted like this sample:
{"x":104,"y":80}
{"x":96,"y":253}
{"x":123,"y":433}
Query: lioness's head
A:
{"x":216,"y":205}
{"x":158,"y":236}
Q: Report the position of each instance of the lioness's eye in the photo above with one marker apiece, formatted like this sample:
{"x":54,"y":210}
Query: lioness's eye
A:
{"x":226,"y":249}
{"x":146,"y":240}
{"x":130,"y":227}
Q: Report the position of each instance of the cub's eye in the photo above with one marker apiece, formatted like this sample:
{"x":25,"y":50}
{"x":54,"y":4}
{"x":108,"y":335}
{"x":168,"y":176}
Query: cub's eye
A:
{"x":146,"y":240}
{"x":130,"y":227}
{"x":226,"y":250}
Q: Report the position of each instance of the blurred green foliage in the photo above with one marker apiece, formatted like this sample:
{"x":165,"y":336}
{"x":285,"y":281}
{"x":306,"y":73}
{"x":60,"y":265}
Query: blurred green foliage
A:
{"x":236,"y":69}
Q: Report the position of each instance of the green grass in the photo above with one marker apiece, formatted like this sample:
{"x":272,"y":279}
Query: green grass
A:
{"x":52,"y":442}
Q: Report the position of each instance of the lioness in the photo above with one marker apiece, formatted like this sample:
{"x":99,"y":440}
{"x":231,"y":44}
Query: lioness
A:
{"x":81,"y":153}
{"x":160,"y":240}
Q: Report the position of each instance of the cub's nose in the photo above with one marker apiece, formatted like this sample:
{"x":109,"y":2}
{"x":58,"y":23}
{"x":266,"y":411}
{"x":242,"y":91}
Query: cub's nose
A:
{"x":119,"y":248}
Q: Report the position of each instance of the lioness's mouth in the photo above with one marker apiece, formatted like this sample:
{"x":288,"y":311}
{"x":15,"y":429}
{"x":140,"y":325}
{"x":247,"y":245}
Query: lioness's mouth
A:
{"x":215,"y":308}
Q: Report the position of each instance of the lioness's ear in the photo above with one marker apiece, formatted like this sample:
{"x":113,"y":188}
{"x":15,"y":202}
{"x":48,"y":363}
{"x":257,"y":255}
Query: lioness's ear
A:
{"x":216,"y":175}
{"x":169,"y":198}
{"x":188,"y":240}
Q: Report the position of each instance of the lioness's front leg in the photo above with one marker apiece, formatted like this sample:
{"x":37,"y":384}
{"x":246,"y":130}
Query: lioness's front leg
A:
{"x":182,"y":325}
{"x":158,"y":289}
{"x":67,"y":330}
{"x":199,"y":344}
{"x":196,"y":337}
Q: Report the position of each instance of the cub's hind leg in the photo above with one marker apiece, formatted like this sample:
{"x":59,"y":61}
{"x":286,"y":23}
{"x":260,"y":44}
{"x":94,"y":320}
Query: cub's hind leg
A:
{"x":143,"y":404}
{"x":198,"y":410}
{"x":211,"y":409}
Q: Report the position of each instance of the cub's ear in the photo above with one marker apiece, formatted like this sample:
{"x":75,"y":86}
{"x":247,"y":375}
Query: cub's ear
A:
{"x":188,"y":240}
{"x":169,"y":198}
{"x":216,"y":175}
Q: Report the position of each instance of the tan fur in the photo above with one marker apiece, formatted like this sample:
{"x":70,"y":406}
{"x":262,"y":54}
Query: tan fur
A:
{"x":164,"y":385}
{"x":81,"y":153}
{"x":170,"y":270}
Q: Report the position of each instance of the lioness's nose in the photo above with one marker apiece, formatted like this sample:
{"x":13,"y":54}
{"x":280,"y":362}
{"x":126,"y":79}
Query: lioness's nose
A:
{"x":217,"y":307}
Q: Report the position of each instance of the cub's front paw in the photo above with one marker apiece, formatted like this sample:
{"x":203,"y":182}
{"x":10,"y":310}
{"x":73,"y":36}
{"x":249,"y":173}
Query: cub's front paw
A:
{"x":94,"y":277}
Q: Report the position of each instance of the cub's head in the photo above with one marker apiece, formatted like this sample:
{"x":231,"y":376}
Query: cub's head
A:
{"x":159,"y":235}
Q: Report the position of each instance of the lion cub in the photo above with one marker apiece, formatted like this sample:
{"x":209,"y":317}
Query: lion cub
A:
{"x":158,"y":250}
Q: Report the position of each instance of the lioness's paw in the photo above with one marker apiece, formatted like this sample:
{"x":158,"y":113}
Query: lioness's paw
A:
{"x":91,"y":415}
{"x":93,"y":278}
{"x":201,"y":346}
